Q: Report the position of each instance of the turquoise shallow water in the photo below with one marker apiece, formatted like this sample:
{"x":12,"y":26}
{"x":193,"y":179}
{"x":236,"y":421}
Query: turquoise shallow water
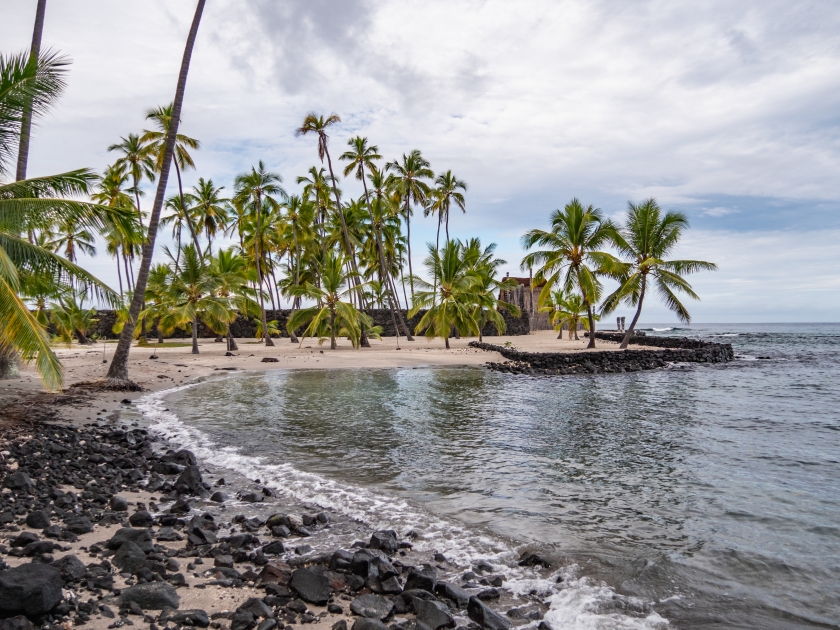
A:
{"x":711,"y":493}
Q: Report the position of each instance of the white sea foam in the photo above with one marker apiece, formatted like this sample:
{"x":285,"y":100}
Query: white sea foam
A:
{"x":574,"y":603}
{"x":662,"y":329}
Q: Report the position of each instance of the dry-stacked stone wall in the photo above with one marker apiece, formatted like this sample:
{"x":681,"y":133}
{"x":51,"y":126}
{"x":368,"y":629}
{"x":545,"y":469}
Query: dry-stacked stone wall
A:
{"x":673,"y":350}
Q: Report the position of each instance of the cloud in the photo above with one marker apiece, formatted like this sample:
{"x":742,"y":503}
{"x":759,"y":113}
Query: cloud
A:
{"x":711,"y":107}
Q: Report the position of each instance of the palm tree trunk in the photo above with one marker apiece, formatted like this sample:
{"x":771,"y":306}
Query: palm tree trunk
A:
{"x":364,"y":343}
{"x":266,"y":336}
{"x":195,"y":334}
{"x":231,"y":344}
{"x":118,"y":370}
{"x":408,"y":241}
{"x":591,"y":317}
{"x":447,"y":227}
{"x":446,"y":339}
{"x":332,"y":329}
{"x":292,"y":336}
{"x":626,"y":341}
{"x":159,"y":330}
{"x":119,"y":276}
{"x":26,"y":123}
{"x":184,"y":207}
{"x":384,"y":271}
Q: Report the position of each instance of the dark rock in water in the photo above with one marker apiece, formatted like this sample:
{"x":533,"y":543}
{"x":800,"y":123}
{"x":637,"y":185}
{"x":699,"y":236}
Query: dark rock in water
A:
{"x":252,"y":497}
{"x":256,"y":607}
{"x":181,"y":506}
{"x":386,"y":541}
{"x":182,"y":458}
{"x":140,"y":537}
{"x":143,"y":518}
{"x":485,"y":617}
{"x":487,"y":594}
{"x":364,"y":623}
{"x":218,"y":497}
{"x":302,"y":550}
{"x":544,"y":626}
{"x":16,"y":623}
{"x":424,"y":578}
{"x":433,"y":614}
{"x":38,"y":519}
{"x":243,"y":621}
{"x":30,"y":588}
{"x":153,"y":596}
{"x":274,"y":548}
{"x":372,"y":606}
{"x":194,"y":617}
{"x":130,"y":558}
{"x":118,"y":504}
{"x":312,"y":587}
{"x":452,"y":592}
{"x":532,"y":560}
{"x":79,"y":525}
{"x":70,"y":567}
{"x":19,"y":481}
{"x":416,"y":624}
{"x":190,"y":480}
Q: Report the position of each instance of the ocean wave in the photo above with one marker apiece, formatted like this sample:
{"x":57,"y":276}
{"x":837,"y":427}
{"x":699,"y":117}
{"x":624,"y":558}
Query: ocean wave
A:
{"x":573,"y":603}
{"x":662,"y":329}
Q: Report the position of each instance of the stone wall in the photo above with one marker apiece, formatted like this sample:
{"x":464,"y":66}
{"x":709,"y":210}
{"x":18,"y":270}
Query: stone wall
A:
{"x":246,"y":327}
{"x":609,"y":361}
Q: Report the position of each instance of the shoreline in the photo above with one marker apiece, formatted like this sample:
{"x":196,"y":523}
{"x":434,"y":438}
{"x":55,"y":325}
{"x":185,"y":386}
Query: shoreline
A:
{"x":96,"y":415}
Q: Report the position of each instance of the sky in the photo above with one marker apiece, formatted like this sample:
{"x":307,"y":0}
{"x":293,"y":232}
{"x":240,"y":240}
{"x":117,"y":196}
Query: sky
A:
{"x":724,"y":110}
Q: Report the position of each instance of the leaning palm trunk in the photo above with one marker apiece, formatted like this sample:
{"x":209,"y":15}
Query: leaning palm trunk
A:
{"x":591,"y":317}
{"x":118,"y":370}
{"x":26,"y":122}
{"x":626,"y":341}
{"x":231,"y":344}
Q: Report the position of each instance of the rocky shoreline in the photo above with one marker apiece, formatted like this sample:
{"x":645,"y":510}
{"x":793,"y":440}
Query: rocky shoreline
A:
{"x":103,"y":527}
{"x":668,"y":350}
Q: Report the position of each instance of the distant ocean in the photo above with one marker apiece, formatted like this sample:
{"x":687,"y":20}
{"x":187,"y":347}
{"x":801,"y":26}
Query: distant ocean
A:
{"x":686,"y":497}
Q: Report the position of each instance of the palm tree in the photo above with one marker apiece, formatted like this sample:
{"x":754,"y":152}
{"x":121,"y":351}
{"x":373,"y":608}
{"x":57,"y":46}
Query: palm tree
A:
{"x":118,"y":242}
{"x":71,"y":318}
{"x":118,"y":370}
{"x":408,"y":180}
{"x":566,"y":310}
{"x":447,"y":191}
{"x":488,"y":288}
{"x":259,"y":187}
{"x":210,"y":210}
{"x":232,"y":276}
{"x":319,"y":125}
{"x":572,"y":257}
{"x":317,"y":185}
{"x":333,"y":315}
{"x":451,"y":302}
{"x":137,"y":159}
{"x":34,"y":206}
{"x":177,"y":217}
{"x":645,"y":240}
{"x":156,"y":140}
{"x":28,"y":109}
{"x":359,"y":158}
{"x":192,"y":289}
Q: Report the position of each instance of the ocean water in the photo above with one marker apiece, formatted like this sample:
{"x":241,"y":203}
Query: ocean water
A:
{"x":684,"y":497}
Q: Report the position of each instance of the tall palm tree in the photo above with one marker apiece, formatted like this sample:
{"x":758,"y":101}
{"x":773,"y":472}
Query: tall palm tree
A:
{"x":566,"y":309}
{"x":28,"y":110}
{"x":210,"y":210}
{"x":259,"y":187}
{"x":34,"y":206}
{"x":448,"y":189}
{"x":645,"y":240}
{"x":361,"y":158}
{"x":138,"y":160}
{"x":319,"y":125}
{"x":118,"y":370}
{"x":317,"y":185}
{"x":488,"y":288}
{"x":156,"y":140}
{"x":111,"y":192}
{"x":408,"y":178}
{"x":571,"y":257}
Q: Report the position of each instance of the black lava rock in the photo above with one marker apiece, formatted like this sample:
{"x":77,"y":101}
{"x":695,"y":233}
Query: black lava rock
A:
{"x":30,"y":588}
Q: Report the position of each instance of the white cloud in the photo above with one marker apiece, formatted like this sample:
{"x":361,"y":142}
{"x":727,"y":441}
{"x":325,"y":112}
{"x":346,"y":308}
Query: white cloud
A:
{"x":529,"y":103}
{"x":719,"y":211}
